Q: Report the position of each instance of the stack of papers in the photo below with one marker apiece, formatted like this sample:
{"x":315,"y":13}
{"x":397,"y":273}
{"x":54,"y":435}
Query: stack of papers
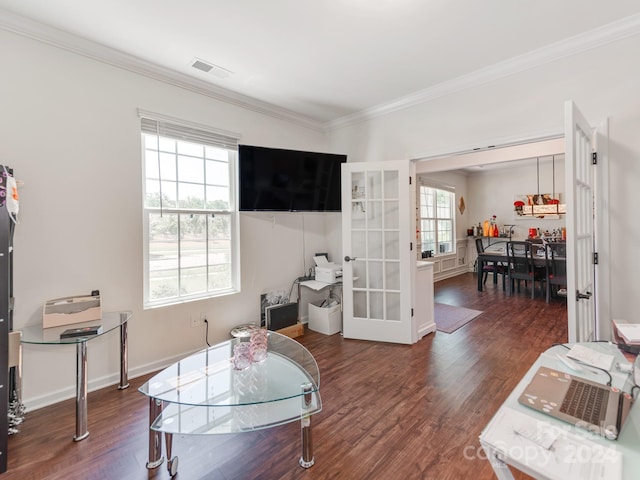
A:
{"x":629,"y":332}
{"x":591,"y":357}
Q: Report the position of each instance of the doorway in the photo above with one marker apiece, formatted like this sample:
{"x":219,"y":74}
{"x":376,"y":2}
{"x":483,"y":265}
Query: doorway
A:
{"x":485,"y":185}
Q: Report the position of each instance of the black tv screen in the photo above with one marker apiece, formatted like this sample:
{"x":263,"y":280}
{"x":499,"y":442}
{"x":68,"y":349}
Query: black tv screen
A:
{"x":273,"y":179}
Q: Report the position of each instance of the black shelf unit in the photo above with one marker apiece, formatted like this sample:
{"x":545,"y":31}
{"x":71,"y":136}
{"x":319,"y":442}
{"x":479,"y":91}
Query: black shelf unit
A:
{"x":7,"y":226}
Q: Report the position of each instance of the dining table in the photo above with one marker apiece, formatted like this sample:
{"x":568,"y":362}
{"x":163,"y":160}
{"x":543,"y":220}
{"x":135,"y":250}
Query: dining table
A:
{"x":497,"y":256}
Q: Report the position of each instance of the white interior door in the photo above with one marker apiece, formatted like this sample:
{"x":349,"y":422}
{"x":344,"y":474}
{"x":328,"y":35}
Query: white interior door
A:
{"x":580,"y":181}
{"x":376,"y":243}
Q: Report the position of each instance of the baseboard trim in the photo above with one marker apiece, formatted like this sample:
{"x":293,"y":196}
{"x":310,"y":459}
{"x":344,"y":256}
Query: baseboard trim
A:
{"x":113,"y":379}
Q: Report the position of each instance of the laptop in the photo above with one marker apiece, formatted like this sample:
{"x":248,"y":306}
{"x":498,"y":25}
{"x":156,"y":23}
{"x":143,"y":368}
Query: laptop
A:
{"x":583,"y":403}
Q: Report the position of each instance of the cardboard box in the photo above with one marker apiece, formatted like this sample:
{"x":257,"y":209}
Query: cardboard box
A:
{"x":292,"y":331}
{"x":326,"y":320}
{"x":71,"y":310}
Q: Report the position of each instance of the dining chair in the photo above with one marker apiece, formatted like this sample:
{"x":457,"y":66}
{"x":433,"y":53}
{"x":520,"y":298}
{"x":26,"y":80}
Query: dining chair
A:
{"x":556,"y":264}
{"x":521,"y":266}
{"x":496,"y":268}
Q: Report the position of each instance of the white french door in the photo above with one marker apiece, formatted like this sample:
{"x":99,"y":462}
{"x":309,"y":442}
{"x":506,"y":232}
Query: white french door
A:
{"x":581,"y":201}
{"x":376,"y":243}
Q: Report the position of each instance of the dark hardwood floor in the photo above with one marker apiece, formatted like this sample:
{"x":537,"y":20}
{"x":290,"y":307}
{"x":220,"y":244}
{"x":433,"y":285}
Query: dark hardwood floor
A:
{"x":389,"y":411}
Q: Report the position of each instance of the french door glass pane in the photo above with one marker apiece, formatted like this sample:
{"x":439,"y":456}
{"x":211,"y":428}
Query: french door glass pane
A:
{"x":393,"y":306}
{"x":359,"y":304}
{"x":359,"y":244}
{"x":374,"y":248}
{"x":374,"y":185}
{"x":391,"y":245}
{"x":392,"y":274}
{"x":374,"y":214}
{"x":391,"y":184}
{"x":391,"y":214}
{"x":376,"y":279}
{"x":358,"y":214}
{"x":376,"y":305}
{"x":358,"y":186}
{"x":359,"y":274}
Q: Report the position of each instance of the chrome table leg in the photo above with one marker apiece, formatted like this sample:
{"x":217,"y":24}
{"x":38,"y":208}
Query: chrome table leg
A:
{"x":155,"y":438}
{"x":172,"y":462}
{"x":81,"y":392}
{"x":124,"y":369}
{"x":306,"y":460}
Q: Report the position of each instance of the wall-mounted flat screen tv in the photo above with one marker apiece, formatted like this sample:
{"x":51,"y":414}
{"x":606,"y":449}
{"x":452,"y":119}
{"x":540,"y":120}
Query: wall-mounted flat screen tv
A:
{"x":273,"y":179}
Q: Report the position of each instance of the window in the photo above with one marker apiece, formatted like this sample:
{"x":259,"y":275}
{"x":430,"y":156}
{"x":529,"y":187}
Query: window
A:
{"x":190,"y":216}
{"x":437,"y":214}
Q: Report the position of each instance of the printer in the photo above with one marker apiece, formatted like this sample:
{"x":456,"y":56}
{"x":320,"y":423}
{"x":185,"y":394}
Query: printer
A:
{"x":329,"y":272}
{"x":326,"y":271}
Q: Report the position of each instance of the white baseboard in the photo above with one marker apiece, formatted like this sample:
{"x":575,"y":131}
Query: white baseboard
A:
{"x":113,"y":379}
{"x":426,"y":329}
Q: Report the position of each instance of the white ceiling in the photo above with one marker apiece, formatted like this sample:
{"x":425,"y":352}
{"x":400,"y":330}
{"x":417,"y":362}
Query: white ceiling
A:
{"x":330,"y":59}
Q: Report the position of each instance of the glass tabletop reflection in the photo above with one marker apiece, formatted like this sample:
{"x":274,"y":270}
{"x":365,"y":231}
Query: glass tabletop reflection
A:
{"x":51,"y":336}
{"x":204,"y":394}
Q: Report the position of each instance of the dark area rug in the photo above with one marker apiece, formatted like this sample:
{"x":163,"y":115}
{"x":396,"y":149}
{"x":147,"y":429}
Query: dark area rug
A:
{"x":449,"y":318}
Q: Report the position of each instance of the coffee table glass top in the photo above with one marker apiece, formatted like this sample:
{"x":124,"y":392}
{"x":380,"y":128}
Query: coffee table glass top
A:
{"x":204,"y":394}
{"x":51,"y":336}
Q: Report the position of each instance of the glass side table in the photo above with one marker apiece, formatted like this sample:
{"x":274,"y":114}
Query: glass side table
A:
{"x":35,"y":334}
{"x":203,"y":394}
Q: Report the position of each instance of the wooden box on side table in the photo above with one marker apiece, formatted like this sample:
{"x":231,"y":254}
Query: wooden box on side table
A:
{"x":71,"y":310}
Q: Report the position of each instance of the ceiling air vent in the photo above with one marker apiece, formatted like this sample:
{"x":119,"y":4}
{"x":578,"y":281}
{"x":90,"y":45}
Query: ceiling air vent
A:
{"x":210,"y":68}
{"x":200,"y":65}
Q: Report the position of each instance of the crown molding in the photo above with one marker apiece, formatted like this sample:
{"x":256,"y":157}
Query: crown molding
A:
{"x":592,"y":39}
{"x":52,"y":36}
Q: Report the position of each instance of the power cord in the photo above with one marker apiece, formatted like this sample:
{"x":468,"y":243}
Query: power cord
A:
{"x":633,"y":388}
{"x":587,"y":365}
{"x":206,"y":331}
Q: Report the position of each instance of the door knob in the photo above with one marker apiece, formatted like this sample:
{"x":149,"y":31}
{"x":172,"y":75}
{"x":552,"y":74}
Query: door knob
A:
{"x":347,"y":258}
{"x":583,"y":296}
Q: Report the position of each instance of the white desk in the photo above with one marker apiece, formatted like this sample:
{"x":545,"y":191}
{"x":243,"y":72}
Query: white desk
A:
{"x":577,"y":454}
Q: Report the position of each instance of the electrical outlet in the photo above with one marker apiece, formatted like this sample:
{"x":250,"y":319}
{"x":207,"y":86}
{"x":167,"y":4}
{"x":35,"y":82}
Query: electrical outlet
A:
{"x":203,"y":318}
{"x":195,"y":321}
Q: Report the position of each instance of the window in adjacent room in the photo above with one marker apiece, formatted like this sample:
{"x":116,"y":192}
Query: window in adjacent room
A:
{"x":436,"y":219}
{"x":191,"y":239}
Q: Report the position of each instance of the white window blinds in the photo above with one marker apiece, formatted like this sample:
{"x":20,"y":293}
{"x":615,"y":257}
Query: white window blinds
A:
{"x":164,"y":126}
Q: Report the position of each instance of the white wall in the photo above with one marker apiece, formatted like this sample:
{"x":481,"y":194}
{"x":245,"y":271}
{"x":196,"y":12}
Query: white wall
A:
{"x":603,"y":83}
{"x":70,"y":130}
{"x":492,"y":193}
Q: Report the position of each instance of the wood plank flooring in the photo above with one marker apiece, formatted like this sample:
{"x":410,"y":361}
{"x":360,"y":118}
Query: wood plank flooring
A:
{"x":389,"y":411}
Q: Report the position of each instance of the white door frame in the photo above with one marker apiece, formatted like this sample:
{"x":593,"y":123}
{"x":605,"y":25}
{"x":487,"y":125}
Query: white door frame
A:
{"x":533,"y":147}
{"x":603,"y":238}
{"x":580,"y":175}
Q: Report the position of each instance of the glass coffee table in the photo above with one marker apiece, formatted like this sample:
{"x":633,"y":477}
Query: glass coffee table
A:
{"x":203,"y":394}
